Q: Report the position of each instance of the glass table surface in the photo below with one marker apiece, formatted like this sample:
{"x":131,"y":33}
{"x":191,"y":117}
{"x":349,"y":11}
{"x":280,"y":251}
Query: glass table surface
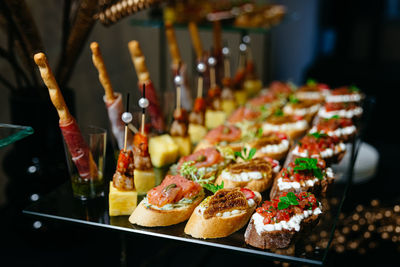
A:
{"x":10,"y":133}
{"x":311,"y":248}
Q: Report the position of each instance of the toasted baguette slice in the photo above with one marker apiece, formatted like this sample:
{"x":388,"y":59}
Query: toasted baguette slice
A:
{"x":145,"y":215}
{"x":219,"y":226}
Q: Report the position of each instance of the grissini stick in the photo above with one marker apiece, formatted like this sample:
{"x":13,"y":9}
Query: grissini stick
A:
{"x":178,"y":66}
{"x":196,"y":42}
{"x":112,"y":99}
{"x":77,"y":146}
{"x":142,"y":72}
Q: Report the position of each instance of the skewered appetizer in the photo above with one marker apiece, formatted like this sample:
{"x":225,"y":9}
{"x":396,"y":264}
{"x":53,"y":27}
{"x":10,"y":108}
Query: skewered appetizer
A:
{"x":144,"y":176}
{"x":223,"y":135}
{"x":223,"y":213}
{"x":252,"y":84}
{"x":238,"y":79}
{"x":304,"y":108}
{"x":172,"y":202}
{"x":344,"y":94}
{"x":112,"y":99}
{"x":227,"y":94}
{"x":348,"y":110}
{"x":312,"y":91}
{"x":256,"y":174}
{"x":272,"y":144}
{"x":279,"y":221}
{"x":123,"y":196}
{"x":215,"y":116}
{"x":197,"y":129}
{"x":179,"y":127}
{"x":293,"y":126}
{"x":243,"y":114}
{"x":342,"y":128}
{"x":321,"y":145}
{"x":303,"y":175}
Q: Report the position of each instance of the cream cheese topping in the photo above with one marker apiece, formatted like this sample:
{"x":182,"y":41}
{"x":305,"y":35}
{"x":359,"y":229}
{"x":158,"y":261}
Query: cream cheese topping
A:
{"x":278,"y":148}
{"x":292,"y":224}
{"x":297,"y":185}
{"x":309,"y":95}
{"x":324,"y":154}
{"x":298,"y":125}
{"x":344,"y":98}
{"x":241,"y":177}
{"x":338,"y":132}
{"x":341,"y":113}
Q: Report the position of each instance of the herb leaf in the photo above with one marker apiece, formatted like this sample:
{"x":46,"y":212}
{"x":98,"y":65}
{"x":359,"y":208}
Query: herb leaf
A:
{"x":311,"y":82}
{"x":318,"y":135}
{"x":189,"y":171}
{"x":244,"y":155}
{"x":278,"y":113}
{"x":293,"y":99}
{"x":353,"y":88}
{"x":214,"y":188}
{"x":289,"y":199}
{"x":308,"y":164}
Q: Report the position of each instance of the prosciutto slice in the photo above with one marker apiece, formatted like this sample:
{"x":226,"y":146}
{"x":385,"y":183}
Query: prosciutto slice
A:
{"x":115,"y":110}
{"x":79,"y":150}
{"x":154,"y":109}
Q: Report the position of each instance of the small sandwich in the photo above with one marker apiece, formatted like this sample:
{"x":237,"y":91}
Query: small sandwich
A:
{"x":320,"y":145}
{"x":256,"y":174}
{"x":349,"y":110}
{"x":344,"y":94}
{"x":278,"y":222}
{"x":304,"y":108}
{"x":303,"y":175}
{"x":172,"y":202}
{"x":342,"y":128}
{"x":312,"y":91}
{"x":243,"y":114}
{"x":272,"y":144}
{"x":223,"y":135}
{"x":292,"y":125}
{"x":223,"y":213}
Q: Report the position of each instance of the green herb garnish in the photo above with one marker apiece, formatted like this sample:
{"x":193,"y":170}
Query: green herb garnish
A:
{"x":311,"y":82}
{"x":189,"y":171}
{"x":279,"y":113}
{"x":293,"y":99}
{"x":244,"y":155}
{"x":259,"y":132}
{"x":334,"y":117}
{"x":318,"y":135}
{"x":308,"y":164}
{"x":289,"y":199}
{"x":353,"y":88}
{"x":214,"y":188}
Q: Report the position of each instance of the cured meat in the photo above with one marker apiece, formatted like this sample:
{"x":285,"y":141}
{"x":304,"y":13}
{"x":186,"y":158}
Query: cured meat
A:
{"x":154,"y":109}
{"x":203,"y":157}
{"x":79,"y":150}
{"x":242,"y":114}
{"x":223,"y":133}
{"x":115,"y":110}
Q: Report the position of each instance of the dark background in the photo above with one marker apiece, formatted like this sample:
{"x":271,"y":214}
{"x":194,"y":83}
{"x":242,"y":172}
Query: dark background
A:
{"x":358,"y":42}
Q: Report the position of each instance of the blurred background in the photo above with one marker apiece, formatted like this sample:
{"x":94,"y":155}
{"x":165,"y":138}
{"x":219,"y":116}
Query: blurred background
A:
{"x":333,"y":41}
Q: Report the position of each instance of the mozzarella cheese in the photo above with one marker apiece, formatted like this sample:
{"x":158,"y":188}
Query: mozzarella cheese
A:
{"x":278,"y":148}
{"x":344,"y":98}
{"x":341,"y":113}
{"x":298,"y":125}
{"x":288,"y":109}
{"x":241,"y":177}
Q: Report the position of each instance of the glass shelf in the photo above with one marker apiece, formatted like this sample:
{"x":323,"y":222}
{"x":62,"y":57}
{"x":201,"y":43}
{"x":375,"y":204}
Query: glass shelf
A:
{"x":11,"y":133}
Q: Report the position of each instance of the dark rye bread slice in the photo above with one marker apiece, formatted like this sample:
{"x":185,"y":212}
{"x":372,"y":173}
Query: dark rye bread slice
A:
{"x":278,"y":239}
{"x":319,"y":188}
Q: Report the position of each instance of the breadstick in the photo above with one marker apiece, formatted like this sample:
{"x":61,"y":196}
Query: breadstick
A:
{"x":103,"y":75}
{"x":54,"y":91}
{"x":139,"y":61}
{"x":196,"y":42}
{"x":173,"y":44}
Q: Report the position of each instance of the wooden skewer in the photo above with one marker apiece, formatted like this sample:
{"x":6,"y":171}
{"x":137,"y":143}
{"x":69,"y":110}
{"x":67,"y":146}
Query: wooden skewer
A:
{"x":54,"y":91}
{"x":126,"y":124}
{"x":143,"y":112}
{"x":200,"y":87}
{"x":103,"y":75}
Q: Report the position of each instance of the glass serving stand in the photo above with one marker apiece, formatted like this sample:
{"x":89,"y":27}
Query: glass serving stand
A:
{"x":311,"y":248}
{"x":10,"y":133}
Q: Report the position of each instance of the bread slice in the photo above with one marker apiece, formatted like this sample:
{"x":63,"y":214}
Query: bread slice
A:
{"x":145,"y":215}
{"x":277,"y":239}
{"x":217,"y":227}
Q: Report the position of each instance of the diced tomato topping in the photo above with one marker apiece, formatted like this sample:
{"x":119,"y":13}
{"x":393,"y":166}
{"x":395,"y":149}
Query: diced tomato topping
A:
{"x":247,"y":193}
{"x":316,"y":145}
{"x":332,"y":106}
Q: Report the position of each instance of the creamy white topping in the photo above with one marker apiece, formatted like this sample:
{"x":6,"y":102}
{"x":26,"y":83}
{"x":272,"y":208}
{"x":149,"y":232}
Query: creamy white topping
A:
{"x":341,"y":113}
{"x":309,"y":95}
{"x":241,"y":177}
{"x":278,"y":148}
{"x":292,"y":224}
{"x":325,"y":153}
{"x":296,"y":185}
{"x":344,"y":98}
{"x":277,"y":168}
{"x":298,"y":125}
{"x":288,"y":109}
{"x":338,"y":132}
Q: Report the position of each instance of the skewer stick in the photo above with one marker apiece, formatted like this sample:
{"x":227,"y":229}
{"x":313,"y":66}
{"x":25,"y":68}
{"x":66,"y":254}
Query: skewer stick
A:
{"x":178,"y":83}
{"x":103,"y":75}
{"x":212,"y":62}
{"x":143,"y":111}
{"x":201,"y":68}
{"x":227,"y":65}
{"x":54,"y":91}
{"x":126,"y":120}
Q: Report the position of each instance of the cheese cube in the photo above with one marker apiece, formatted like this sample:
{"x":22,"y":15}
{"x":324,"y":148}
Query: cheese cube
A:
{"x":214,"y":118}
{"x":196,"y":132}
{"x":144,"y":180}
{"x":252,"y":87}
{"x":121,"y":202}
{"x":184,"y":144}
{"x":228,"y":106}
{"x":241,"y":97}
{"x":163,"y":150}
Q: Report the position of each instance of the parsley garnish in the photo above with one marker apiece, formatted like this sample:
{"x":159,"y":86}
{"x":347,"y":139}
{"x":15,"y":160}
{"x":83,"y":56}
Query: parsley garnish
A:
{"x":278,"y":113}
{"x":353,"y":88}
{"x":189,"y":171}
{"x":244,"y":155}
{"x":293,"y":99}
{"x":289,"y":199}
{"x":311,"y":82}
{"x":334,"y":117}
{"x":318,"y":135}
{"x":259,"y":132}
{"x":214,"y":188}
{"x":308,"y":164}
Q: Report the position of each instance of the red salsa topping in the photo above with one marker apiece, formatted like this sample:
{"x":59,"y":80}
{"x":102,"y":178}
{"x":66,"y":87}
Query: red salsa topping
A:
{"x":303,"y":169}
{"x":333,"y":106}
{"x":333,"y":124}
{"x":272,"y":214}
{"x":315,"y":143}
